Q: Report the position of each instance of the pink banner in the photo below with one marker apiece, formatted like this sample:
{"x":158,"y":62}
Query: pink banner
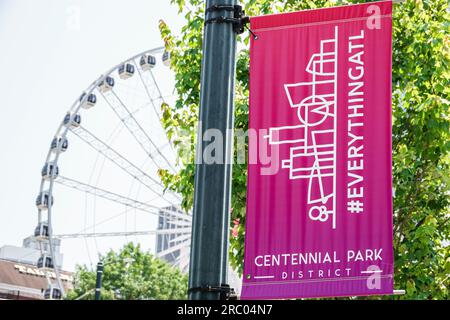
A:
{"x":319,"y":201}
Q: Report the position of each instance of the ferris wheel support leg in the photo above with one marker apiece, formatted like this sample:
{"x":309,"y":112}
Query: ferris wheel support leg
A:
{"x":211,"y":217}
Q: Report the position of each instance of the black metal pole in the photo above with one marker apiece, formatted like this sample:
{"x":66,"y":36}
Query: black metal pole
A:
{"x":98,"y":284}
{"x":209,"y":247}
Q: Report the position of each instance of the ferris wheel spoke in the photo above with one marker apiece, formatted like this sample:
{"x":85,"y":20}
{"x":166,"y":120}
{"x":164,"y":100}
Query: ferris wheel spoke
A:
{"x":148,"y":80}
{"x":149,"y":84}
{"x":122,"y":234}
{"x":164,"y":146}
{"x":124,"y":164}
{"x":139,"y":134}
{"x":80,"y":186}
{"x":184,"y":223}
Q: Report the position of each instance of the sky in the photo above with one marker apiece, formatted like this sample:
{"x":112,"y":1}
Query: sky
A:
{"x":50,"y":51}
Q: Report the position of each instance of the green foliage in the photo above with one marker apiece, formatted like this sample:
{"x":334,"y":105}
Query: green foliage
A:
{"x":136,"y":274}
{"x":421,"y":147}
{"x":420,"y":131}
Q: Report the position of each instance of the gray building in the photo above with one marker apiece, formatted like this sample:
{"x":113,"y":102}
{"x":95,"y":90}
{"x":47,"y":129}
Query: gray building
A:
{"x":172,"y":247}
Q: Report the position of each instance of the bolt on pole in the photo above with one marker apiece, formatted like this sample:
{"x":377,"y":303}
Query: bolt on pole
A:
{"x":211,"y":216}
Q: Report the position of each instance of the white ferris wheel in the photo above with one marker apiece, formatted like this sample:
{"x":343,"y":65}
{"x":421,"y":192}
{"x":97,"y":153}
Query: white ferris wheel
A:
{"x":100,"y":179}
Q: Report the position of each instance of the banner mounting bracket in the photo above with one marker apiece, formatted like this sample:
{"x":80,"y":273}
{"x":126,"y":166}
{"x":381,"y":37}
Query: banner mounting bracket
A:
{"x":226,"y":292}
{"x":239,"y":19}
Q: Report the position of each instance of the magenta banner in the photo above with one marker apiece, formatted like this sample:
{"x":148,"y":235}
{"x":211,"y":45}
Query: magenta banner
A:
{"x":319,"y":199}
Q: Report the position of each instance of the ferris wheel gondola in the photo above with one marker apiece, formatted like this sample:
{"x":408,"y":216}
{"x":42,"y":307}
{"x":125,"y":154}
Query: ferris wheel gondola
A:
{"x":45,"y":262}
{"x":126,"y":71}
{"x":44,"y":200}
{"x":106,"y":84}
{"x":52,"y":293}
{"x":49,"y":171}
{"x":147,"y":62}
{"x":72,"y":120}
{"x":59,"y":144}
{"x":166,"y":58}
{"x":89,"y":101}
{"x":41,"y":231}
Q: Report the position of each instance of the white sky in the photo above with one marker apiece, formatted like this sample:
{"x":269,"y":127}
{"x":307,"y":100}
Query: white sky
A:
{"x":46,"y":60}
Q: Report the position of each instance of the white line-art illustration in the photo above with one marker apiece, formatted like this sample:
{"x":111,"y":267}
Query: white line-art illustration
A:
{"x":313,"y":140}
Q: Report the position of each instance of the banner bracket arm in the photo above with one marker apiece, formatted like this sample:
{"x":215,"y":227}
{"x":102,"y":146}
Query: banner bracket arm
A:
{"x":226,"y":292}
{"x":239,"y":19}
{"x":399,"y":292}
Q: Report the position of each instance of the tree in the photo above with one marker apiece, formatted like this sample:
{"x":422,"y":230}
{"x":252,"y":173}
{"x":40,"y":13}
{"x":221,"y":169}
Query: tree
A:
{"x":420,"y":132}
{"x":131,"y":274}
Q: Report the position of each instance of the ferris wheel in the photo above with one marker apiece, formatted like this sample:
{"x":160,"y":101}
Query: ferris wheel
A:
{"x":100,"y":177}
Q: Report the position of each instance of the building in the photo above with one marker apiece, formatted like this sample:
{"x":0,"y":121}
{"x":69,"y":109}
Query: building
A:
{"x":172,"y":248}
{"x":20,"y":279}
{"x":165,"y":241}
